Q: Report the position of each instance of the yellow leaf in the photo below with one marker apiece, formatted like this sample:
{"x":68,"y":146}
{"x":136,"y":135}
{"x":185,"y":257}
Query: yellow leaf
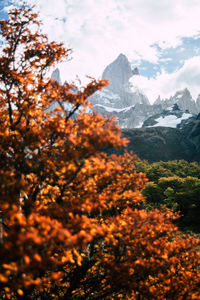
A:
{"x":20,"y":292}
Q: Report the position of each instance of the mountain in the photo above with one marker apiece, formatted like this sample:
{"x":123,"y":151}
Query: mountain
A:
{"x":56,"y":75}
{"x":118,"y":73}
{"x":131,"y":107}
{"x":198,"y":103}
{"x":155,"y":141}
{"x":170,"y":117}
{"x":164,"y":143}
{"x":183,"y":99}
{"x":121,"y":99}
{"x":120,"y":93}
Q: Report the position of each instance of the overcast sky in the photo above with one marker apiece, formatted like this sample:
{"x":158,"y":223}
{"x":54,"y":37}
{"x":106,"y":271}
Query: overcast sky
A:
{"x":161,"y":37}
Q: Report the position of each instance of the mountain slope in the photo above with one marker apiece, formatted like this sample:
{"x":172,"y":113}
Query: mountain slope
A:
{"x":169,"y":117}
{"x":165,"y":143}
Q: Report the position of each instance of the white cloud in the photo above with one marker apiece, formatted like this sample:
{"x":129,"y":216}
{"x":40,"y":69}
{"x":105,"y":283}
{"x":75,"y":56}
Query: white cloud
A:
{"x":99,"y":30}
{"x":166,"y":84}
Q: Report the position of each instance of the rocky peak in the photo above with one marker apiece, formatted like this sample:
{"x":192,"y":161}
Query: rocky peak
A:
{"x":158,"y":101}
{"x":183,"y":94}
{"x":118,"y":72}
{"x":198,"y":98}
{"x":186,"y":92}
{"x":183,"y":99}
{"x":121,"y":97}
{"x":56,"y":75}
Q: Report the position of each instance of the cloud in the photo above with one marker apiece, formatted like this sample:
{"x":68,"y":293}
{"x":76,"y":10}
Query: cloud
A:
{"x":166,"y":85}
{"x":99,"y":30}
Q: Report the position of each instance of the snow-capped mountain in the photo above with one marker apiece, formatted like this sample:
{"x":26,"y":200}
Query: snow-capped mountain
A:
{"x":121,"y":99}
{"x":170,"y":130}
{"x":129,"y":117}
{"x":169,"y":117}
{"x":119,"y":94}
{"x":130,"y":106}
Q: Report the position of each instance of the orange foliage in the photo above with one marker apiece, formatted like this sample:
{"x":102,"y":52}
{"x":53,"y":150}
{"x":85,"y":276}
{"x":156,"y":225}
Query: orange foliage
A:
{"x":69,"y":218}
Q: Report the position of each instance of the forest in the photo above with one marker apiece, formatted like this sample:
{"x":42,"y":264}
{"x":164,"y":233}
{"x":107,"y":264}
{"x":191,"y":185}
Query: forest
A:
{"x":175,"y":184}
{"x":75,"y":222}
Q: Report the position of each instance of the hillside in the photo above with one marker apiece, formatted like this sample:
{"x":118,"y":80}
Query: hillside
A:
{"x":165,"y":143}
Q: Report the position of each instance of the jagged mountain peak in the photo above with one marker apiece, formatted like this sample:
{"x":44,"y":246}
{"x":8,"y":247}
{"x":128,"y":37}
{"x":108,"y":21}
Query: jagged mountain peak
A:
{"x":56,"y":75}
{"x":122,"y":57}
{"x":158,"y":101}
{"x":118,"y":72}
{"x":182,"y":98}
{"x":183,"y":93}
{"x":121,"y":98}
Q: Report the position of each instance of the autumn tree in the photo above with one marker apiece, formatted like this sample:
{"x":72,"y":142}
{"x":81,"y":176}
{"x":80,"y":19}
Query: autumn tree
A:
{"x":69,"y":218}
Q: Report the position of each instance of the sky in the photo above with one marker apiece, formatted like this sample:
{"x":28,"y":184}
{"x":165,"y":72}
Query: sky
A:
{"x":161,"y":38}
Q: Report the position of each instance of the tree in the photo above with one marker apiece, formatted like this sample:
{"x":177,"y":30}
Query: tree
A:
{"x":70,"y":226}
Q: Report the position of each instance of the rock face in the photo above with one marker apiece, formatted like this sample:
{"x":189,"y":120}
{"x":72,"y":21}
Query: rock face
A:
{"x":198,"y":103}
{"x":157,"y":143}
{"x":183,"y":99}
{"x":165,"y":143}
{"x":135,"y":71}
{"x":56,"y":75}
{"x":120,"y":99}
{"x":120,"y":93}
{"x":191,"y":133}
{"x":118,"y":73}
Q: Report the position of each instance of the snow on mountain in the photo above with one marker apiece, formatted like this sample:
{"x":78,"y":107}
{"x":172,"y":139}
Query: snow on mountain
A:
{"x":130,"y":106}
{"x":171,"y":121}
{"x":111,"y":109}
{"x":124,"y":100}
{"x":106,"y":97}
{"x":170,"y":117}
{"x":121,"y":96}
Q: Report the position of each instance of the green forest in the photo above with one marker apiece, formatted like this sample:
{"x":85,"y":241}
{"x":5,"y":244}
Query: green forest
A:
{"x":175,"y":184}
